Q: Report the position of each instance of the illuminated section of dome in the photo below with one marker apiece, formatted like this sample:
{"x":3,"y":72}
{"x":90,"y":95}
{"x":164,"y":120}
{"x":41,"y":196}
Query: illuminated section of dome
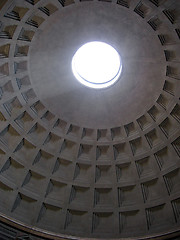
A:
{"x":97,"y":65}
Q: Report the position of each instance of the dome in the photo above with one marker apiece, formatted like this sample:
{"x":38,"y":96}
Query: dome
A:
{"x":86,"y":163}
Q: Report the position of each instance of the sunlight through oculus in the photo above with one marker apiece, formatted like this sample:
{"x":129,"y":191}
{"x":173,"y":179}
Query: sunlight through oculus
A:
{"x":97,"y":65}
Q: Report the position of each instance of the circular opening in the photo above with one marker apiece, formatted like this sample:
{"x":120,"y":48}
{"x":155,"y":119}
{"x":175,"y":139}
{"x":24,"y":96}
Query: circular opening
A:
{"x":96,"y":65}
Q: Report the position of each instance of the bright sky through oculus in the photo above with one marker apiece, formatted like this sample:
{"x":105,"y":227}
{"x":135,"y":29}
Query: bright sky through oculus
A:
{"x":96,"y":65}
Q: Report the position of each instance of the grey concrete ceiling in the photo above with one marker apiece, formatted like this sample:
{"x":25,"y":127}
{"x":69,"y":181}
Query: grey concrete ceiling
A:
{"x":83,"y":163}
{"x":142,"y":56}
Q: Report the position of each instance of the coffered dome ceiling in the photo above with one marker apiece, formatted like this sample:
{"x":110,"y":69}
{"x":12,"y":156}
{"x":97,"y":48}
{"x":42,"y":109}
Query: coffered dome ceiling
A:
{"x":79,"y":162}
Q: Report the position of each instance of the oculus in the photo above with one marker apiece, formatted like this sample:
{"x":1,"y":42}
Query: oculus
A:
{"x":97,"y":65}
